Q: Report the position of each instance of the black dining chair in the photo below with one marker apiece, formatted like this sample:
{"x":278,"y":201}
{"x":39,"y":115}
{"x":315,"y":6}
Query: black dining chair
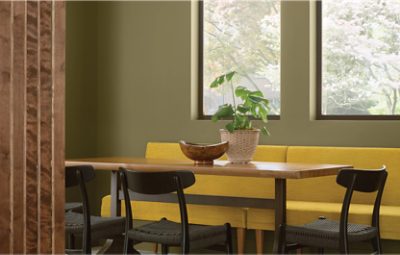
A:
{"x":165,"y":232}
{"x":324,"y":233}
{"x":79,"y":222}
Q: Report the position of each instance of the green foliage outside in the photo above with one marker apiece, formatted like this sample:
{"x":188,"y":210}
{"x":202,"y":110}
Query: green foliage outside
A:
{"x":360,"y":47}
{"x":361,"y":57}
{"x":243,"y":36}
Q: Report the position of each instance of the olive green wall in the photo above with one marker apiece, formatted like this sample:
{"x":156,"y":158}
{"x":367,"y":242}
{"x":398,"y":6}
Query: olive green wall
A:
{"x":129,"y":82}
{"x":81,"y":79}
{"x":144,"y":83}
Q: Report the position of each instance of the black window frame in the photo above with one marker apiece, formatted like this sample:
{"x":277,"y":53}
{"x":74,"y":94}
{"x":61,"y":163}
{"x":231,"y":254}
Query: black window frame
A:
{"x":319,"y":115}
{"x":200,"y":106}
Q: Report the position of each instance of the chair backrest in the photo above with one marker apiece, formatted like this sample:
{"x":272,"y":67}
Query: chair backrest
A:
{"x":364,"y":180}
{"x":158,"y":182}
{"x":72,"y":174}
{"x":361,"y":181}
{"x":78,"y":176}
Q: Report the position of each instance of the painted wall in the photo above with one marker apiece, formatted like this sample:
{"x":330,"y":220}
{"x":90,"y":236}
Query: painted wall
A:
{"x":144,"y":83}
{"x":129,"y":82}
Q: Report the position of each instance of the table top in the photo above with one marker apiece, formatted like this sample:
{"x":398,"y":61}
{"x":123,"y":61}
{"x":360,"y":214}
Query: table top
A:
{"x":220,"y":167}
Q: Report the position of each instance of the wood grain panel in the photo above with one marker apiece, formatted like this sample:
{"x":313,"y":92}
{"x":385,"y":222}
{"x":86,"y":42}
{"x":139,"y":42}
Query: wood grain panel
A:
{"x":32,"y":126}
{"x":18,"y":125}
{"x":5,"y":126}
{"x":58,"y":125}
{"x":46,"y":95}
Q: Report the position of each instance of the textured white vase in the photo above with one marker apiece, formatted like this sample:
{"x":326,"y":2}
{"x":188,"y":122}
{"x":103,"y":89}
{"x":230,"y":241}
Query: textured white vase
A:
{"x":242,"y":144}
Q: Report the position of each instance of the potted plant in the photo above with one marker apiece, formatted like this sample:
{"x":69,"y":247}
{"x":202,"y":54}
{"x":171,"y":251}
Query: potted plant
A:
{"x":240,"y":133}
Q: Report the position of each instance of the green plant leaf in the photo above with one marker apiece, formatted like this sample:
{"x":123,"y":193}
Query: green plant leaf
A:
{"x":221,"y":79}
{"x":218,"y":81}
{"x":249,"y":125}
{"x":257,"y":93}
{"x":230,"y":127}
{"x":214,"y":118}
{"x":255,"y":99}
{"x":243,"y":108}
{"x":265,"y":131}
{"x":242,"y":92}
{"x":214,"y":84}
{"x":230,"y":75}
{"x":223,"y":111}
{"x":254,"y":111}
{"x":263,"y":111}
{"x":240,"y":121}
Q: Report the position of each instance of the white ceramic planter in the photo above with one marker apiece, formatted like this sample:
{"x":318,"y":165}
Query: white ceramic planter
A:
{"x":242,"y":144}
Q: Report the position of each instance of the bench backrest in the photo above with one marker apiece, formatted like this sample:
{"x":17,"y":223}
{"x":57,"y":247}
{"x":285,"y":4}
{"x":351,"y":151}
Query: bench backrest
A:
{"x":325,"y":189}
{"x":322,"y":189}
{"x":224,"y":185}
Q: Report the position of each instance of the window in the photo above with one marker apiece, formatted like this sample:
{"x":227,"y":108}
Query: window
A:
{"x":243,"y":36}
{"x":358,"y":59}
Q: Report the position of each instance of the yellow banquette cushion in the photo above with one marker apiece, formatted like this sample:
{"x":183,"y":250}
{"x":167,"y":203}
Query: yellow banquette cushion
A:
{"x":307,"y":198}
{"x":310,"y":198}
{"x":211,"y":185}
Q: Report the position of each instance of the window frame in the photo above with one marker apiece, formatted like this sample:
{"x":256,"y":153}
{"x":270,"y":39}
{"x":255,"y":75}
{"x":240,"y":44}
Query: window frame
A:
{"x":319,"y":115}
{"x":200,"y":106}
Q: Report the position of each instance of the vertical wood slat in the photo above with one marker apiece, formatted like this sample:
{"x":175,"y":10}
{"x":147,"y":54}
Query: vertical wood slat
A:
{"x":18,"y":125}
{"x":5,"y":126}
{"x":46,"y":96}
{"x":32,"y":126}
{"x":59,"y":125}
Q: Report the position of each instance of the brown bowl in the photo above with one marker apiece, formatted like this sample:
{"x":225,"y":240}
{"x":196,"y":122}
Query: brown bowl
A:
{"x":203,"y":154}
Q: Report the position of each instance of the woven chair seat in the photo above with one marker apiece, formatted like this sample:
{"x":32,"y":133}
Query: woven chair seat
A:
{"x":169,"y":233}
{"x":101,"y":227}
{"x":73,"y":206}
{"x":324,"y":233}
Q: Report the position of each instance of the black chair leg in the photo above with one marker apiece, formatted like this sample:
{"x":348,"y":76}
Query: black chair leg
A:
{"x":71,"y":242}
{"x":376,"y":244}
{"x":282,"y":240}
{"x":164,"y":249}
{"x":229,"y":247}
{"x":344,"y":250}
{"x":86,"y":246}
{"x":126,"y":245}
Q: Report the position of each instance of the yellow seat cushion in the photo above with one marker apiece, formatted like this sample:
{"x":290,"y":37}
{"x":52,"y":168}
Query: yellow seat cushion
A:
{"x":301,"y":212}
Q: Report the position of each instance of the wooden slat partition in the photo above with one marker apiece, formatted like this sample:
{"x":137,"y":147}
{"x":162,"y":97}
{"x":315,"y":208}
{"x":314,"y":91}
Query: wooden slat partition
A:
{"x":32,"y":77}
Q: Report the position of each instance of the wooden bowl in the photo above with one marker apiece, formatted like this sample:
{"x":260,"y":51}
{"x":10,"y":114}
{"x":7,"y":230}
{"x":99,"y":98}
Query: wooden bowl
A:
{"x":203,"y":154}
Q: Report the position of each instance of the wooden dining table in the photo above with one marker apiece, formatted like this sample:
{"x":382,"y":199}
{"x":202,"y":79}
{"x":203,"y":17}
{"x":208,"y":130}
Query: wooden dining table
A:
{"x":277,"y":170}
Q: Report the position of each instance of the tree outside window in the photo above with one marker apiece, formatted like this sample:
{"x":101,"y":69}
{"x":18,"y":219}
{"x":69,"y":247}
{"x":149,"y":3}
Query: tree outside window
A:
{"x":360,"y":57}
{"x":244,"y":36}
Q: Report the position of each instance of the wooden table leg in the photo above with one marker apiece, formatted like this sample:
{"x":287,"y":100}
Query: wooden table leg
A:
{"x":260,"y":241}
{"x":280,"y":211}
{"x":155,"y":248}
{"x":241,"y":240}
{"x":115,"y":187}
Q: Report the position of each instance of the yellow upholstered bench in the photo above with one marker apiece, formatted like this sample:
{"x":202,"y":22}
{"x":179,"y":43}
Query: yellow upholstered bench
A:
{"x":307,"y":198}
{"x":310,"y":198}
{"x":208,"y":185}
